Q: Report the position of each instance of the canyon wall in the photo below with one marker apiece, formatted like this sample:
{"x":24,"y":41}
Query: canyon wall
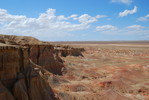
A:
{"x":43,"y":53}
{"x":18,"y":78}
{"x":24,"y":61}
{"x":45,"y":56}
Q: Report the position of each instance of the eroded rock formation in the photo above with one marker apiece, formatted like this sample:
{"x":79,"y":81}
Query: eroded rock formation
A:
{"x":18,"y":78}
{"x":65,"y":51}
{"x":24,"y":63}
{"x":41,"y":53}
{"x":45,"y":56}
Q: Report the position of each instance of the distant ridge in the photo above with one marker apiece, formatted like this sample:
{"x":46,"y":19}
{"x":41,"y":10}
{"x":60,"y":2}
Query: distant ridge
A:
{"x":104,"y":42}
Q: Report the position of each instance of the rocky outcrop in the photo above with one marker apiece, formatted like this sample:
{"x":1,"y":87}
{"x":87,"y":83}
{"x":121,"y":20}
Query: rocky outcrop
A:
{"x":65,"y":51}
{"x":19,"y":40}
{"x":24,"y":65}
{"x":45,"y":56}
{"x":18,"y":78}
{"x":41,"y":53}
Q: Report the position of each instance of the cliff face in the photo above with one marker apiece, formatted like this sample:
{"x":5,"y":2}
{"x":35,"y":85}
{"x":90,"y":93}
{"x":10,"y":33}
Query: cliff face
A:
{"x":45,"y":56}
{"x":18,"y":78}
{"x":41,"y":53}
{"x":24,"y":65}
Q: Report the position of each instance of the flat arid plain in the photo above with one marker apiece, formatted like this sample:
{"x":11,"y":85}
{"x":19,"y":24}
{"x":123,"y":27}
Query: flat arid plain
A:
{"x":106,"y":71}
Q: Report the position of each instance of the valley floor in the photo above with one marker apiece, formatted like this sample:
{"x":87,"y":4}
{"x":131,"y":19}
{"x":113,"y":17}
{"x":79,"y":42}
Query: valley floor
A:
{"x":106,"y":72}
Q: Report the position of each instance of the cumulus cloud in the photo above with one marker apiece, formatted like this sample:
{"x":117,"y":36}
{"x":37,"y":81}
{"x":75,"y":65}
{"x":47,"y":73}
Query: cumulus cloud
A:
{"x":73,"y":16}
{"x":123,"y":1}
{"x":46,"y":25}
{"x":145,"y":18}
{"x":5,"y":17}
{"x":135,"y":27}
{"x":128,"y":12}
{"x":106,"y":28}
{"x":125,"y":31}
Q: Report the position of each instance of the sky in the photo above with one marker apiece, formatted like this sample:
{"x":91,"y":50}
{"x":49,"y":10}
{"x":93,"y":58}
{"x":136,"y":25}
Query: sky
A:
{"x":76,"y":20}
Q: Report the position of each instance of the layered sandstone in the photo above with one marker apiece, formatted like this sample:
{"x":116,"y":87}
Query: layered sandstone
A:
{"x":41,"y":53}
{"x":18,"y":78}
{"x":45,"y":56}
{"x":25,"y":66}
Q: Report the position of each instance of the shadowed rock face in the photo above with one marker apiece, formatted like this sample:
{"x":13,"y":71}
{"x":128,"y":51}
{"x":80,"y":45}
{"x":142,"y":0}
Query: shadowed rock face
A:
{"x":5,"y":94}
{"x":24,"y":65}
{"x":18,"y":79}
{"x":45,"y":56}
{"x":41,"y":53}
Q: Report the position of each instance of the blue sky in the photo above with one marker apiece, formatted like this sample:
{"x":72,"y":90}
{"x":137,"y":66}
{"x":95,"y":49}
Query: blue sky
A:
{"x":76,"y":20}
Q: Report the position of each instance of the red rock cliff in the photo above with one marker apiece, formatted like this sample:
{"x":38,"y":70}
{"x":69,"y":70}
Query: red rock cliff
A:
{"x":18,"y":78}
{"x":41,"y":53}
{"x":45,"y":56}
{"x":24,"y":63}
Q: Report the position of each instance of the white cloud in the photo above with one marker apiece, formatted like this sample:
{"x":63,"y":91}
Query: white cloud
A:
{"x":123,"y":1}
{"x":100,"y":16}
{"x":86,"y":19}
{"x":73,"y":16}
{"x":106,"y":28}
{"x":47,"y":25}
{"x":135,"y":27}
{"x":128,"y":12}
{"x":132,"y":30}
{"x":145,"y":18}
{"x":5,"y":17}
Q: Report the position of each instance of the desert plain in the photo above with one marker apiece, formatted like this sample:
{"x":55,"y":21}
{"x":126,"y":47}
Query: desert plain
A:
{"x":106,"y":71}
